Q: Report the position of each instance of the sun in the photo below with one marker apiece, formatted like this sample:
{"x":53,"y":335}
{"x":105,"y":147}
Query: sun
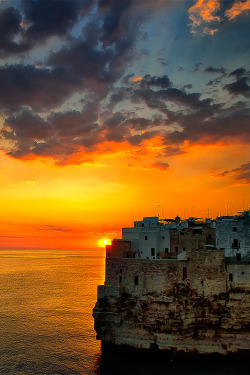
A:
{"x":103,"y":242}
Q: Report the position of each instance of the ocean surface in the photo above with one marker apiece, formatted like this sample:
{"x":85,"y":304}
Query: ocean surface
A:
{"x":46,"y":324}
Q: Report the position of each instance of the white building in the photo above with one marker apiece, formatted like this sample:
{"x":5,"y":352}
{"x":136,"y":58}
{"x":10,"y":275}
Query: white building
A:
{"x":149,"y":237}
{"x":233,"y":235}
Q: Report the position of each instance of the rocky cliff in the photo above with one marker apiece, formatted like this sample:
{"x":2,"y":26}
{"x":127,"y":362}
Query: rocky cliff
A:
{"x":181,"y":321}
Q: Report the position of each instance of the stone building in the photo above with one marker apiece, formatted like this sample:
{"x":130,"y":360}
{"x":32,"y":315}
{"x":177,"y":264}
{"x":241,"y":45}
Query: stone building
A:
{"x":233,"y":235}
{"x":168,"y":286}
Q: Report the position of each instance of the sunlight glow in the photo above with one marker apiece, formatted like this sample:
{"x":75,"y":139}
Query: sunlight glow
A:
{"x":103,"y":242}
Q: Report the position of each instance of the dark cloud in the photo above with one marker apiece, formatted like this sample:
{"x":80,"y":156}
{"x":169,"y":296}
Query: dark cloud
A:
{"x":39,"y":88}
{"x":163,"y":81}
{"x":27,"y":124}
{"x":92,"y":61}
{"x":137,"y":139}
{"x":241,"y":173}
{"x":10,"y":20}
{"x":50,"y":18}
{"x":238,"y":72}
{"x":200,"y":128}
{"x":197,"y":67}
{"x":210,"y":69}
{"x":60,"y":136}
{"x":171,"y":151}
{"x":37,"y":21}
{"x":239,"y":87}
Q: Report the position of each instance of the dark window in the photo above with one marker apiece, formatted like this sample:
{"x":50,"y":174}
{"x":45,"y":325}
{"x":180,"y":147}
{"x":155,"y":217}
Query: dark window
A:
{"x":184,"y":249}
{"x":120,"y":279}
{"x":238,"y":256}
{"x":176,"y":248}
{"x":243,"y":273}
{"x":166,"y":249}
{"x":235,"y":244}
{"x":184,"y":273}
{"x":234,"y":229}
{"x":202,"y":282}
{"x":127,"y":256}
{"x":120,"y":270}
{"x":146,"y":237}
{"x":152,"y":251}
{"x":136,"y":280}
{"x":163,"y":237}
{"x":197,"y":231}
{"x":230,"y":277}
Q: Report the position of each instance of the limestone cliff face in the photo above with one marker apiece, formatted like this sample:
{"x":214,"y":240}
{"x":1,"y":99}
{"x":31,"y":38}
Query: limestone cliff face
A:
{"x":188,"y":305}
{"x":181,"y":321}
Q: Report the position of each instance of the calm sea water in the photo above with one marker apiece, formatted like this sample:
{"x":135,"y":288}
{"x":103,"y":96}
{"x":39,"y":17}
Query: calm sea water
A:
{"x":46,"y":324}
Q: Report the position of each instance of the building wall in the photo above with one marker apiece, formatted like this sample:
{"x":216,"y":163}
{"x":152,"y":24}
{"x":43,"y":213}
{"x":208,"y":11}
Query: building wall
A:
{"x":204,"y":272}
{"x":239,"y":272}
{"x":233,"y":234}
{"x":120,"y":249}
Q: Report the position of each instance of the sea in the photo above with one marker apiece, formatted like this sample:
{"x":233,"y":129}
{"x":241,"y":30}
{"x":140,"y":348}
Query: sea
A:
{"x":47,"y":328}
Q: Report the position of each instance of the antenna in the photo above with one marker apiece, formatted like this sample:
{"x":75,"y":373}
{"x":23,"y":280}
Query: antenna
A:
{"x":208,"y":213}
{"x":158,"y":214}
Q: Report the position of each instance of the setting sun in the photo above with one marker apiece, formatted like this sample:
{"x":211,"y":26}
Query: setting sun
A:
{"x":104,"y":241}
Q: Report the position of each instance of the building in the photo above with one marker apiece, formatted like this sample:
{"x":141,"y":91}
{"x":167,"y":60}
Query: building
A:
{"x":233,"y":235}
{"x":169,"y":285}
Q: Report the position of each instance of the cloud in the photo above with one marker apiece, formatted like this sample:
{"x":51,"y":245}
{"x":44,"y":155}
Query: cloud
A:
{"x":239,"y":87}
{"x":204,"y":11}
{"x":113,"y":105}
{"x":238,"y":8}
{"x":209,"y":15}
{"x":36,"y":22}
{"x":53,"y":228}
{"x":238,"y":72}
{"x":10,"y":20}
{"x":161,"y":166}
{"x":242,"y":173}
{"x":41,"y":89}
{"x":211,"y":69}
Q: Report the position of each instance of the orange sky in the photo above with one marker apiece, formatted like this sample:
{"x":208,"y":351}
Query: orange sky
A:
{"x":111,"y":111}
{"x":48,"y":206}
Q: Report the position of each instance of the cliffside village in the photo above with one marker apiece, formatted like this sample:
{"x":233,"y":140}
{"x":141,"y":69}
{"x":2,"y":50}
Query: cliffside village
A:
{"x":185,"y":283}
{"x":174,"y":239}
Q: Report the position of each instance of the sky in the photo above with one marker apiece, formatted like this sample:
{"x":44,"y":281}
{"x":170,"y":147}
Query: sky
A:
{"x":112,"y":110}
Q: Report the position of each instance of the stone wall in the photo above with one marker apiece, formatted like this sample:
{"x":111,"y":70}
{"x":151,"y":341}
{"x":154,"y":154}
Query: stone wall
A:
{"x":190,"y":305}
{"x":203,"y":269}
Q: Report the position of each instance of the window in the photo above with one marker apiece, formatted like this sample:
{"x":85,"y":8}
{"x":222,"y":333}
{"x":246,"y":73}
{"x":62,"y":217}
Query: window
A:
{"x":133,"y":255}
{"x":184,"y":249}
{"x":176,"y":248}
{"x":163,"y":237}
{"x":238,"y":256}
{"x":146,"y":237}
{"x":136,"y":280}
{"x":120,"y":270}
{"x":166,"y":249}
{"x":152,"y":251}
{"x":230,"y":277}
{"x":234,"y":229}
{"x":235,"y":244}
{"x":120,"y":279}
